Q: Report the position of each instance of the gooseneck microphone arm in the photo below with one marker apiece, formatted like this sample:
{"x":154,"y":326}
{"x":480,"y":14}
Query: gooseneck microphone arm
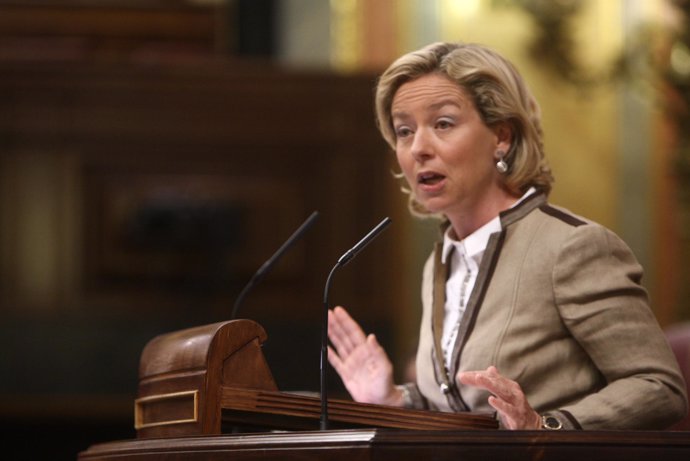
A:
{"x":263,"y":270}
{"x":344,"y":259}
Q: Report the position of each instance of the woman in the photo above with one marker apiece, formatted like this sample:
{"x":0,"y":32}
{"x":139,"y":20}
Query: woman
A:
{"x":528,"y":309}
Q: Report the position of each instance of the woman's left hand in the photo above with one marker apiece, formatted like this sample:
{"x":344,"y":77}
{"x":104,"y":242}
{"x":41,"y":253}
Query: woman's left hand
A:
{"x":508,"y":399}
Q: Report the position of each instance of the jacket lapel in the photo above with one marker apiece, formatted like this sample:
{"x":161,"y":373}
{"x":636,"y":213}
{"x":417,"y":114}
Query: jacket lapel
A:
{"x":486,"y":270}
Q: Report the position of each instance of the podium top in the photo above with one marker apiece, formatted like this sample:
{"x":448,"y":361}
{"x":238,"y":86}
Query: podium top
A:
{"x":192,"y":348}
{"x":403,"y":445}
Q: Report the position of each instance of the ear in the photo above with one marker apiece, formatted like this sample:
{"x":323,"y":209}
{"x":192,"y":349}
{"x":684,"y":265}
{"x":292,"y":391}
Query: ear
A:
{"x":504,"y":136}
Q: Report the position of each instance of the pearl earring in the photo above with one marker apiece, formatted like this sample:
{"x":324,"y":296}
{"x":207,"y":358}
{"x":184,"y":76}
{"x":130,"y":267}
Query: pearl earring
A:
{"x":501,"y":165}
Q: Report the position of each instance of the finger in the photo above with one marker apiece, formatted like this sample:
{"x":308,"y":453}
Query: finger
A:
{"x":336,"y":362}
{"x":503,"y":407}
{"x":336,"y":335}
{"x":493,"y":382}
{"x":336,"y":331}
{"x":339,"y":335}
{"x":491,"y":371}
{"x":344,"y":332}
{"x":349,"y":325}
{"x":505,"y":412}
{"x":375,"y":348}
{"x":478,"y":379}
{"x":521,"y":416}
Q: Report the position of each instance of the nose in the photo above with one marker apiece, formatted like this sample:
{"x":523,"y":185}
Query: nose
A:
{"x":422,"y":146}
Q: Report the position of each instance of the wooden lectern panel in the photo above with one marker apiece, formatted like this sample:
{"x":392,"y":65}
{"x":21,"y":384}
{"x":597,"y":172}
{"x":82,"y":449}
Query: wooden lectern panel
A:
{"x":278,"y":410}
{"x":182,"y":374}
{"x":214,"y":378}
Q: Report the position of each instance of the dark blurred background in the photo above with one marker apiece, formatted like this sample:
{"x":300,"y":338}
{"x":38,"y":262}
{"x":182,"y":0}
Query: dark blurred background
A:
{"x":154,"y":153}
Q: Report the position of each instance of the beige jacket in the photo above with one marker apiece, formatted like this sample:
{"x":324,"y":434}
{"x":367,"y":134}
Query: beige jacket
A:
{"x":557,"y":307}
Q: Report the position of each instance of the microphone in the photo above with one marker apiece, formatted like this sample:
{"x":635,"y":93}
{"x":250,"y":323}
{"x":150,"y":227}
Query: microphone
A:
{"x":352,"y":252}
{"x":263,"y":270}
{"x":344,"y":259}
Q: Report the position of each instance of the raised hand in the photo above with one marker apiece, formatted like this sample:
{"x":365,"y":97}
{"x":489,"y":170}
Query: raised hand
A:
{"x":360,"y":361}
{"x":508,"y":399}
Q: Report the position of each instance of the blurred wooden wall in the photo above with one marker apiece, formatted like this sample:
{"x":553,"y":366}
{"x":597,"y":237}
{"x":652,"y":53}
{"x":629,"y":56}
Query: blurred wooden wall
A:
{"x":148,"y":166}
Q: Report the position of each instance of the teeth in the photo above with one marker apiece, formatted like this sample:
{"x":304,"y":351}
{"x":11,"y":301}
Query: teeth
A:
{"x":429,"y":177}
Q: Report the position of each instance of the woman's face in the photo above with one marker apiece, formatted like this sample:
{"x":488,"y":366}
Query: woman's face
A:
{"x":446,"y":152}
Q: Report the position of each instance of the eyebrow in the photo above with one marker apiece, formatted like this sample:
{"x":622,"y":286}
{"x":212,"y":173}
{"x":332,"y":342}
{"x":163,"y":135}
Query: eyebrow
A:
{"x":435,"y":106}
{"x":445,"y":102}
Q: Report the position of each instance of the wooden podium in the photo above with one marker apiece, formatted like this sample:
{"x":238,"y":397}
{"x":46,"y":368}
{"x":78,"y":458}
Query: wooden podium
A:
{"x":207,"y":394}
{"x":214,"y":379}
{"x":405,"y":445}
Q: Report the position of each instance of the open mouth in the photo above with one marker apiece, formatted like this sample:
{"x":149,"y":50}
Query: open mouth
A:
{"x":430,"y":178}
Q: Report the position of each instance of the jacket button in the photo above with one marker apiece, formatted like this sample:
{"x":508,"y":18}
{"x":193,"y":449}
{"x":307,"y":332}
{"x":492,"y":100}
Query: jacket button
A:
{"x":445,"y":388}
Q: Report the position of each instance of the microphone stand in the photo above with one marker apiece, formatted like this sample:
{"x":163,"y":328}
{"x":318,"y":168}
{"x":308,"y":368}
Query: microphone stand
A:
{"x":344,"y":259}
{"x":323,"y":423}
{"x":268,"y":265}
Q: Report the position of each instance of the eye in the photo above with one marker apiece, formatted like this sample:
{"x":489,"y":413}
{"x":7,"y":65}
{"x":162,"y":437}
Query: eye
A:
{"x":444,"y":124}
{"x":402,"y":131}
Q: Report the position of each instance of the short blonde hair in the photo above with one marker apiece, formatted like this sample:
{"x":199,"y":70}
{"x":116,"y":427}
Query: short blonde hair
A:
{"x":499,"y":94}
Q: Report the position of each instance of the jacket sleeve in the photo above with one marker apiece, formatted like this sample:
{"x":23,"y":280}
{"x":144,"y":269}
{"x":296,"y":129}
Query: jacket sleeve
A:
{"x":413,"y":398}
{"x":597,"y":290}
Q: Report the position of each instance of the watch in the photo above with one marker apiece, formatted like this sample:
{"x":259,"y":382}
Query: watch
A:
{"x":551,"y":423}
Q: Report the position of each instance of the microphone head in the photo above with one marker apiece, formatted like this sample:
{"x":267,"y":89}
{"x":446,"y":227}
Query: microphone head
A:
{"x":359,"y":246}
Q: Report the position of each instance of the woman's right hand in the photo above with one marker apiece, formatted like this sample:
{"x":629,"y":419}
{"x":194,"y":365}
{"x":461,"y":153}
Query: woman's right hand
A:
{"x":360,"y":361}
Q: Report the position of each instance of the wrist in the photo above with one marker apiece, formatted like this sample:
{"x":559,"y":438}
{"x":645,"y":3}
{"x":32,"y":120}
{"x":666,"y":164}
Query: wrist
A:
{"x":400,"y":397}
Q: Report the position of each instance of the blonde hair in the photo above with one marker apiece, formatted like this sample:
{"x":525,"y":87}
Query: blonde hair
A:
{"x":498,"y":93}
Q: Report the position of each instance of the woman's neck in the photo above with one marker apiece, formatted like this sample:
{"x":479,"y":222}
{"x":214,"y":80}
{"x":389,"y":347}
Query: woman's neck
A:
{"x":465,"y":222}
